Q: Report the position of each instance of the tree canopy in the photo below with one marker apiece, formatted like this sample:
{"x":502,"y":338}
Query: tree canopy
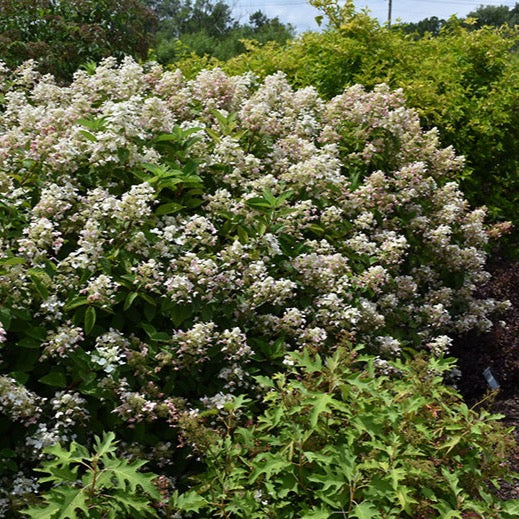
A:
{"x":483,"y":16}
{"x":63,"y":35}
{"x":207,"y":27}
{"x":495,"y":15}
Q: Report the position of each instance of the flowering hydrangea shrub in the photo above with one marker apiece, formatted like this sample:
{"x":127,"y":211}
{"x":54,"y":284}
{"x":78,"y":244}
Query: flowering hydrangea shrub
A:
{"x":162,"y":241}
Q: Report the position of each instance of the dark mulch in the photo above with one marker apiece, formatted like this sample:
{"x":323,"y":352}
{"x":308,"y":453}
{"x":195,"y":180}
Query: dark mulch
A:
{"x":499,"y":351}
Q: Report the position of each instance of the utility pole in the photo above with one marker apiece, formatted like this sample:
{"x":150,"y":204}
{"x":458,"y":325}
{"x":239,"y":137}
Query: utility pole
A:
{"x":389,"y":9}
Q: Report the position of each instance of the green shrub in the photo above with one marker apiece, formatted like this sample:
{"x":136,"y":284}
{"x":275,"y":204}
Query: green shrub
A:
{"x":349,"y":435}
{"x":62,"y":35}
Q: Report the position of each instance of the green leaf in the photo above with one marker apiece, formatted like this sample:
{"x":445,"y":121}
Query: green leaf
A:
{"x":365,"y":510}
{"x":317,"y":513}
{"x":147,"y":298}
{"x":90,"y":319}
{"x":449,"y":445}
{"x":29,"y":343}
{"x":242,"y":234}
{"x":269,"y":197}
{"x":452,"y":480}
{"x":36,"y":332}
{"x":34,"y":336}
{"x":144,"y":177}
{"x":214,"y":135}
{"x":160,"y":171}
{"x":54,"y":379}
{"x":7,"y":453}
{"x":72,"y":499}
{"x":166,"y":137}
{"x":193,"y":203}
{"x":258,"y":203}
{"x":75,"y":302}
{"x":45,"y":512}
{"x":58,"y":474}
{"x":154,"y":334}
{"x":40,"y":287}
{"x":169,"y":208}
{"x":20,"y":376}
{"x":188,"y":501}
{"x":446,"y":510}
{"x":149,"y":311}
{"x":92,"y":123}
{"x":264,"y":381}
{"x":404,"y":498}
{"x":316,"y":229}
{"x":180,"y":313}
{"x":178,"y":136}
{"x":130,"y":298}
{"x":12,"y":261}
{"x":125,"y":476}
{"x":28,"y":163}
{"x":149,"y":329}
{"x":74,"y":454}
{"x":347,"y":461}
{"x":236,"y":403}
{"x":511,"y":507}
{"x":5,"y":317}
{"x":311,"y":364}
{"x":90,"y":136}
{"x":321,"y":405}
{"x":268,"y":464}
{"x":328,"y":480}
{"x":261,"y":228}
{"x":169,"y":183}
{"x":105,"y":445}
{"x":131,"y":504}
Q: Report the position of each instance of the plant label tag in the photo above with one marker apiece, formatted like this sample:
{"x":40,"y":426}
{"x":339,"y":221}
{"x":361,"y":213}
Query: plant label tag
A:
{"x":489,"y":377}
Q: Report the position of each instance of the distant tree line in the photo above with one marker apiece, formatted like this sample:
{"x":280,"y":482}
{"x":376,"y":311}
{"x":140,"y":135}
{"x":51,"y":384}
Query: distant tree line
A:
{"x":208,"y":27}
{"x":483,"y":16}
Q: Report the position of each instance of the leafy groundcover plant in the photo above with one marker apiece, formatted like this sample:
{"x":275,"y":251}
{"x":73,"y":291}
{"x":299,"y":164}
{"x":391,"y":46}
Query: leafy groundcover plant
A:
{"x":347,"y":436}
{"x":96,"y":485}
{"x":163,"y":241}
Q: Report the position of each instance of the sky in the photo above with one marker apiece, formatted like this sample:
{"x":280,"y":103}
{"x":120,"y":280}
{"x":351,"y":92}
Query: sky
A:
{"x":300,"y":14}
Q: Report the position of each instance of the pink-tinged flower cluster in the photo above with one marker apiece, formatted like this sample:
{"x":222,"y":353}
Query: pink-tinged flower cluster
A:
{"x":174,"y":235}
{"x":18,"y":403}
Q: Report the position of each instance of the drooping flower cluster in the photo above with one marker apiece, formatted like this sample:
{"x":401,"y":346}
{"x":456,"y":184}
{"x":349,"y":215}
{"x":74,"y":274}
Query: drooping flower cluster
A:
{"x":178,"y":236}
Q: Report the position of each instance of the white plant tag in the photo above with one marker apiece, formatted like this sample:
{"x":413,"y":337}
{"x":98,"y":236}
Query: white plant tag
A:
{"x":491,"y":381}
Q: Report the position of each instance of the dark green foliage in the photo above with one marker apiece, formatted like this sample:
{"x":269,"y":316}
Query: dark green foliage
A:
{"x":63,"y":35}
{"x":430,"y":25}
{"x":495,"y":15}
{"x":178,"y":17}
